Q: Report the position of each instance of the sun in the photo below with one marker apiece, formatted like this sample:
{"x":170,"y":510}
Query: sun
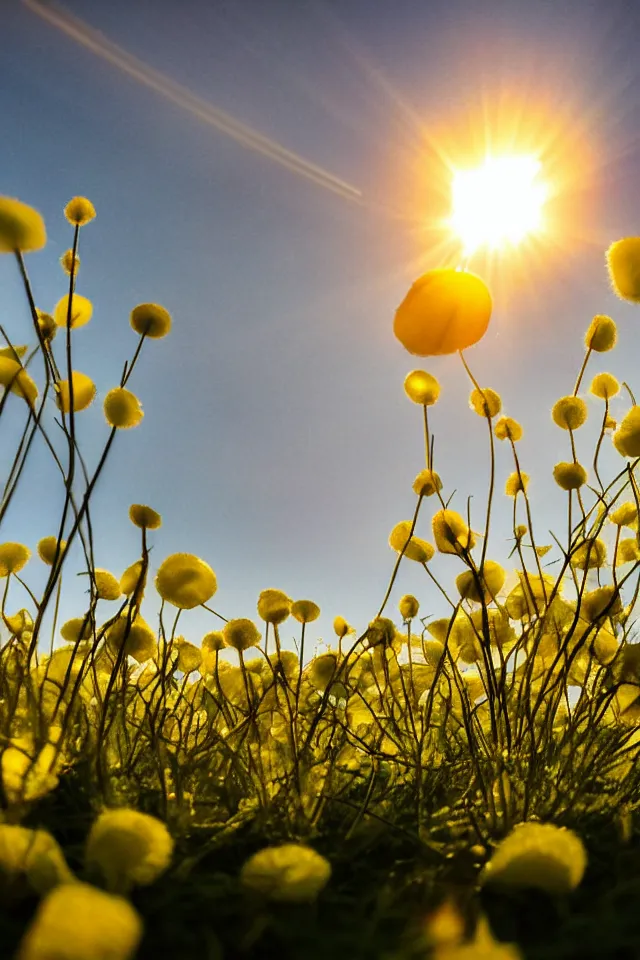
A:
{"x":499,"y":203}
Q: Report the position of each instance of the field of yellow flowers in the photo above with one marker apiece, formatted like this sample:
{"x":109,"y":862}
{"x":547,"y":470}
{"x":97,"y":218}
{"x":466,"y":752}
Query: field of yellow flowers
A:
{"x":466,"y":787}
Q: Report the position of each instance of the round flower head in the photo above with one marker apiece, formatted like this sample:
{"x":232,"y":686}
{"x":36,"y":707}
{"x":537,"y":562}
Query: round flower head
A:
{"x":624,"y":515}
{"x":13,"y":557}
{"x":122,"y":409}
{"x":416,"y":549}
{"x":13,"y":352}
{"x":421,"y":387}
{"x":76,"y":921}
{"x":595,"y":602}
{"x":75,"y":629}
{"x":144,"y":517}
{"x":210,"y":645}
{"x":107,"y":586}
{"x":516,"y":483}
{"x":408,"y":606}
{"x":601,"y":335}
{"x":569,"y":412}
{"x":591,"y":554}
{"x":507,"y":428}
{"x":129,"y":847}
{"x":47,"y":325}
{"x":539,"y":855}
{"x":136,"y":635}
{"x":445,"y":311}
{"x":84,"y":390}
{"x":451,"y":533}
{"x":305,"y":611}
{"x":341,"y":628}
{"x":14,"y":377}
{"x":274,"y":606}
{"x":189,"y":656}
{"x":569,"y":476}
{"x":47,"y":549}
{"x":79,"y":211}
{"x":134,"y":580}
{"x":150,"y":320}
{"x":81,"y":311}
{"x":427,"y":483}
{"x":604,"y":386}
{"x":626,"y":439}
{"x":185,"y":581}
{"x":68,"y":261}
{"x":623,"y":261}
{"x":486,"y":403}
{"x":628,"y":551}
{"x":492,"y":576}
{"x":291,"y":873}
{"x":21,"y":227}
{"x":241,"y":634}
{"x":32,"y":855}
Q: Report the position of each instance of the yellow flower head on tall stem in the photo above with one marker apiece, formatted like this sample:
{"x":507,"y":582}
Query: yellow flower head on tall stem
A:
{"x":21,"y":227}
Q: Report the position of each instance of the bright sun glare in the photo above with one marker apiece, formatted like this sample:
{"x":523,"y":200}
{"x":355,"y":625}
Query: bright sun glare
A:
{"x":499,"y":203}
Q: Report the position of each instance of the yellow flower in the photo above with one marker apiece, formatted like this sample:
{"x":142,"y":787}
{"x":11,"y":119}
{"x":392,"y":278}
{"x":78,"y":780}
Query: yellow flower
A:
{"x":492,"y":576}
{"x":211,"y":644}
{"x":107,"y":585}
{"x":486,"y":403}
{"x":590,"y":554}
{"x":21,"y":227}
{"x":596,"y":601}
{"x":569,"y":412}
{"x":84,"y":390}
{"x":137,"y":636}
{"x":451,"y":533}
{"x":628,"y":551}
{"x":516,"y":482}
{"x":129,"y":847}
{"x":76,"y":921}
{"x":445,"y":311}
{"x":625,"y":515}
{"x":569,"y":476}
{"x":305,"y":611}
{"x":134,"y":580}
{"x":507,"y":428}
{"x":539,"y":855}
{"x":34,"y":855}
{"x":81,"y":311}
{"x":15,"y":353}
{"x":623,"y":261}
{"x":274,"y":606}
{"x":67,"y":261}
{"x":416,"y":549}
{"x":601,"y":335}
{"x":17,"y":380}
{"x":79,"y":211}
{"x":122,"y":408}
{"x":189,"y":656}
{"x":421,"y":387}
{"x":408,"y":606}
{"x":150,"y":320}
{"x":144,"y":517}
{"x":26,"y":773}
{"x":185,"y":581}
{"x":78,"y":628}
{"x":626,"y":439}
{"x":13,"y":557}
{"x":47,"y":549}
{"x":341,"y":628}
{"x":604,"y":386}
{"x":427,"y":483}
{"x":291,"y":873}
{"x":47,"y":325}
{"x":241,"y":634}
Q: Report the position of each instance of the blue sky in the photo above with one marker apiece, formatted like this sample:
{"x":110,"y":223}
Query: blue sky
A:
{"x":277,"y":441}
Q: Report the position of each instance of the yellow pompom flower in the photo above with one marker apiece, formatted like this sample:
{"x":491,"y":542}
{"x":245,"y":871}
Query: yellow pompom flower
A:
{"x":122,"y":409}
{"x":290,"y":873}
{"x":134,"y":580}
{"x":34,"y":856}
{"x":421,"y":387}
{"x":79,"y":211}
{"x":47,"y":547}
{"x":596,"y":601}
{"x":605,"y":386}
{"x":416,"y":549}
{"x":107,"y":586}
{"x":135,"y":634}
{"x":47,"y":325}
{"x":13,"y":352}
{"x":84,"y":391}
{"x":538,"y":855}
{"x":274,"y":606}
{"x":601,"y":335}
{"x":626,"y":439}
{"x":129,"y":847}
{"x":210,"y":645}
{"x":28,"y":774}
{"x":451,"y":533}
{"x":13,"y":557}
{"x":305,"y":611}
{"x":189,"y":656}
{"x":75,"y":629}
{"x":569,"y":476}
{"x":592,"y":554}
{"x":81,"y":311}
{"x":507,"y":428}
{"x":516,"y":483}
{"x":628,"y":551}
{"x":21,"y":227}
{"x":491,"y":577}
{"x":445,"y":311}
{"x":144,"y":517}
{"x":625,"y":515}
{"x":241,"y":634}
{"x":623,"y":261}
{"x":15,"y":378}
{"x":150,"y":320}
{"x":77,"y":921}
{"x":485,"y":402}
{"x":68,"y":261}
{"x":341,"y":628}
{"x":569,"y":413}
{"x":427,"y":483}
{"x":185,"y":581}
{"x":408,"y":606}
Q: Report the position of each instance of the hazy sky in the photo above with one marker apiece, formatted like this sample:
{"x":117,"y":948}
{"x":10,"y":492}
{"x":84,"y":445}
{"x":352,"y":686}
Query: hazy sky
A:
{"x":278,"y":443}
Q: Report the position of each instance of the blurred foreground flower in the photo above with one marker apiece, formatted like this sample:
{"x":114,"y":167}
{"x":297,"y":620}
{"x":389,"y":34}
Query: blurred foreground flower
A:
{"x":623,"y":260}
{"x":291,"y":873}
{"x":21,"y":227}
{"x":129,"y":848}
{"x":539,"y":855}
